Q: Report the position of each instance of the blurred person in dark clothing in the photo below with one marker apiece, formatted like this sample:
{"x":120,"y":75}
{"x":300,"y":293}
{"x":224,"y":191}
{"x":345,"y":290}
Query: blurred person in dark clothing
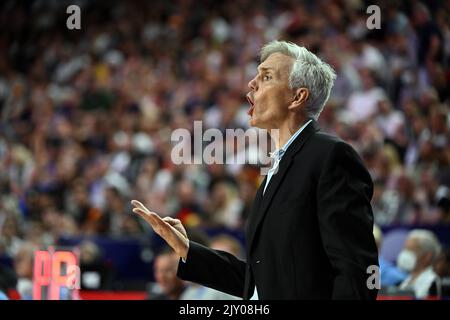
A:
{"x":114,"y":220}
{"x":442,"y":263}
{"x":7,"y":281}
{"x":442,"y":269}
{"x":95,"y":273}
{"x":188,"y":209}
{"x":430,"y":38}
{"x":443,"y":205}
{"x":80,"y":207}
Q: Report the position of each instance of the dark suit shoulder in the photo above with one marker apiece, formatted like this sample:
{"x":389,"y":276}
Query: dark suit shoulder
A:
{"x":327,"y":139}
{"x":329,"y":152}
{"x":322,"y":144}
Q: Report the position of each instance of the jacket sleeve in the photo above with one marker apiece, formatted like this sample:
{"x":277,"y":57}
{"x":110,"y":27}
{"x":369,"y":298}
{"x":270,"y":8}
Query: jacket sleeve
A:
{"x":214,"y":269}
{"x":345,"y":217}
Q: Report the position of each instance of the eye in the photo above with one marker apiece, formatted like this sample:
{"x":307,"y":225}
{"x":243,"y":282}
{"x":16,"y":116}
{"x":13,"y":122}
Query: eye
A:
{"x":267,"y":77}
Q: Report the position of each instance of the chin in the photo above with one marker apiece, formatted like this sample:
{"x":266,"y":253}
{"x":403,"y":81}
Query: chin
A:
{"x":254,"y":123}
{"x":260,"y":122}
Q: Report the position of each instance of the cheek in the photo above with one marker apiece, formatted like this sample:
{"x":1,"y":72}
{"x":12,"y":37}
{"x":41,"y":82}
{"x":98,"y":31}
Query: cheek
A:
{"x":275,"y":107}
{"x":267,"y":101}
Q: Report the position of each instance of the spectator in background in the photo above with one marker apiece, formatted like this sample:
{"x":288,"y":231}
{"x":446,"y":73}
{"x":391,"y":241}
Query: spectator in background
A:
{"x":225,"y":206}
{"x":229,"y":244}
{"x":188,"y":208}
{"x":169,"y":286}
{"x":443,"y":204}
{"x":3,"y":295}
{"x":388,"y":119}
{"x":363,"y":104}
{"x":389,"y":273}
{"x":23,"y":267}
{"x":417,"y":257}
{"x":10,"y":235}
{"x":442,"y":269}
{"x":95,"y":273}
{"x":115,"y":221}
{"x":442,"y":264}
{"x":7,"y":281}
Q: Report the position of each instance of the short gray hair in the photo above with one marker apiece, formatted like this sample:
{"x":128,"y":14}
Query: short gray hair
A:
{"x":428,"y":242}
{"x":307,"y":71}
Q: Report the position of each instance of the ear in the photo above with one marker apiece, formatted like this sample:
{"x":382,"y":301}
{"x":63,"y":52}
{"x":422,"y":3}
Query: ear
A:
{"x":300,"y":97}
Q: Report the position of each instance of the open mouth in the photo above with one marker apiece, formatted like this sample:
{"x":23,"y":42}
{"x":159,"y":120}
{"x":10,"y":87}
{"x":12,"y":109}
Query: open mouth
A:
{"x":252,"y":104}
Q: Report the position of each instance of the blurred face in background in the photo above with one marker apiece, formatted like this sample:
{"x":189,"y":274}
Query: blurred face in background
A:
{"x":412,"y":258}
{"x":228,"y":245}
{"x":9,"y":228}
{"x":270,"y":94}
{"x":368,"y":82}
{"x":185,"y":192}
{"x":442,"y":264}
{"x":166,"y":273}
{"x":23,"y":263}
{"x":23,"y":267}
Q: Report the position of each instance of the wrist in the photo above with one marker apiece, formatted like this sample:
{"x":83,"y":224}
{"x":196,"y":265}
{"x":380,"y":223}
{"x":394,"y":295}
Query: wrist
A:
{"x":185,"y":251}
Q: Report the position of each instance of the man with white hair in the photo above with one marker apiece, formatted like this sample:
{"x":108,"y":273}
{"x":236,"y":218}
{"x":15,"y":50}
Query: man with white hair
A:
{"x":419,"y":252}
{"x":309,"y":235}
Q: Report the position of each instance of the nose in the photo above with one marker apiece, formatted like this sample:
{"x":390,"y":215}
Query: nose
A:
{"x":253,"y":84}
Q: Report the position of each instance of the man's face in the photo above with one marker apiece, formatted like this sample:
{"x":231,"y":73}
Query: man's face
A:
{"x":23,"y":264}
{"x":166,"y":273}
{"x":270,"y":94}
{"x":442,"y":266}
{"x":423,"y":259}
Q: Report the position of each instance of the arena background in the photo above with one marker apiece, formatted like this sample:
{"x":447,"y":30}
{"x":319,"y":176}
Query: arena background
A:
{"x":86,"y":118}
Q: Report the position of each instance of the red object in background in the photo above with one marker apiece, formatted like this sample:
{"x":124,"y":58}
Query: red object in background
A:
{"x":47,"y":272}
{"x":98,"y":295}
{"x":113,"y":295}
{"x":13,"y":294}
{"x":41,"y":273}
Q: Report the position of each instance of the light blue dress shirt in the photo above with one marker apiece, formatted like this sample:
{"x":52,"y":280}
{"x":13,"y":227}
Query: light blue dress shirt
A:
{"x":278,"y":155}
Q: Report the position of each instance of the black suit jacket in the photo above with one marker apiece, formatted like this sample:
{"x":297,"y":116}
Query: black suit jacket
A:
{"x":308,"y":237}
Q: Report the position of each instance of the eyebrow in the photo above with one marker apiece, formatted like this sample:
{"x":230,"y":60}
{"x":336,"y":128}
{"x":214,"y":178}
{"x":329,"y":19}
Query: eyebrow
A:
{"x":262,"y":69}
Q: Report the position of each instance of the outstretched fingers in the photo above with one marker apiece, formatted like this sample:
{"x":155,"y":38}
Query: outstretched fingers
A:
{"x":161,"y":227}
{"x":171,"y":230}
{"x":147,"y":217}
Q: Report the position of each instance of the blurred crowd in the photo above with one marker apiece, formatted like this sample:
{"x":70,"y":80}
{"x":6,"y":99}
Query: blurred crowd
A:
{"x":86,"y":115}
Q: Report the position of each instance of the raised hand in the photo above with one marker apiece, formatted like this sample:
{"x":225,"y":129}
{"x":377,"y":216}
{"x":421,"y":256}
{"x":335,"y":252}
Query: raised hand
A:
{"x":171,"y":230}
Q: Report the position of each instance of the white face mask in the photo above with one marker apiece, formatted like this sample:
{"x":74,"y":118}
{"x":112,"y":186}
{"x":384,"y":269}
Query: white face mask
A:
{"x":25,"y":288}
{"x":406,"y":260}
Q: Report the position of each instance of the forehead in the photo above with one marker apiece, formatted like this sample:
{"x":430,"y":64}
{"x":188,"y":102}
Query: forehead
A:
{"x":278,"y":62}
{"x":412,"y":243}
{"x":163,"y":260}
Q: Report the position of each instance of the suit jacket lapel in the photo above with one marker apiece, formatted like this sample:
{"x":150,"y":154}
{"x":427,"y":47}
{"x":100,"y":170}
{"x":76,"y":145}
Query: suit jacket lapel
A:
{"x":256,"y":204}
{"x":262,"y":202}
